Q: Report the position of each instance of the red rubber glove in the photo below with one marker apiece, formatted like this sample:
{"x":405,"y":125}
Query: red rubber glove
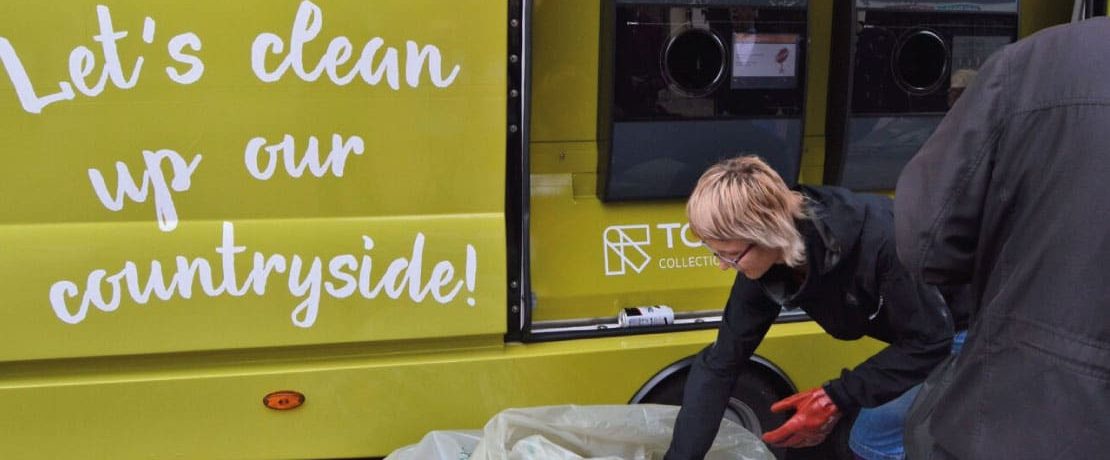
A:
{"x":815,"y":415}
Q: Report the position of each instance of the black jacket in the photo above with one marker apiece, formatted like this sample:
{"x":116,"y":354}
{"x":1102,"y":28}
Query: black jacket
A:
{"x":854,"y":287}
{"x":1010,"y":194}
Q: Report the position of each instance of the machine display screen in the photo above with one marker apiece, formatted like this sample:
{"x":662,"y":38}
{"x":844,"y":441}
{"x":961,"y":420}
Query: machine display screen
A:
{"x":969,"y":52}
{"x":704,"y":61}
{"x":993,"y":6}
{"x":764,"y":60}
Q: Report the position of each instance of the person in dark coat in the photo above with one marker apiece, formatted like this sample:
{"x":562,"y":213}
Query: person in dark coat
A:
{"x":1010,"y":194}
{"x":829,"y":252}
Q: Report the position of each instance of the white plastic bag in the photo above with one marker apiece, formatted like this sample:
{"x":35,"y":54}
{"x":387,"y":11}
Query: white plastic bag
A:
{"x":446,"y":445}
{"x":639,"y":432}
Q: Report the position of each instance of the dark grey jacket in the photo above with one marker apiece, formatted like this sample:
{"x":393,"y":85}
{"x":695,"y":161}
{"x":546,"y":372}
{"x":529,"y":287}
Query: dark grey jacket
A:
{"x":1011,"y":194}
{"x":855,"y":286}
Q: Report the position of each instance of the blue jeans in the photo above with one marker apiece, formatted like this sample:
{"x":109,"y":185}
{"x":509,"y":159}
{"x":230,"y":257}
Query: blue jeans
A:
{"x":877,"y":433}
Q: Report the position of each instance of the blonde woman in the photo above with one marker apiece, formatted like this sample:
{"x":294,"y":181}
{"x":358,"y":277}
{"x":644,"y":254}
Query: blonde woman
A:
{"x":829,"y":252}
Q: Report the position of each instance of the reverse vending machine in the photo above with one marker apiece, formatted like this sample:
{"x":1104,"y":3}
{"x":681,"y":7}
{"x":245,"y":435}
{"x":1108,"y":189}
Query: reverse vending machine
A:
{"x":897,"y":66}
{"x":685,"y":84}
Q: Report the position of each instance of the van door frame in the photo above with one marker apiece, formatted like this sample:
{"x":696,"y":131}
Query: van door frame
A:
{"x":517,"y":170}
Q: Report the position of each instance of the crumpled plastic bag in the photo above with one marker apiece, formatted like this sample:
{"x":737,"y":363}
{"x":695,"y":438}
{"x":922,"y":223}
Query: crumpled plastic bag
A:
{"x":638,"y":432}
{"x":453,"y":445}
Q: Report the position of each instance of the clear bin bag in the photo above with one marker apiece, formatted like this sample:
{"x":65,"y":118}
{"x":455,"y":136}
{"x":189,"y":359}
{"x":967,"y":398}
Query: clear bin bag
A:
{"x":640,"y":432}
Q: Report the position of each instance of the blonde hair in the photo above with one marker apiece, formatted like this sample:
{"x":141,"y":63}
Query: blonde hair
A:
{"x":742,"y":198}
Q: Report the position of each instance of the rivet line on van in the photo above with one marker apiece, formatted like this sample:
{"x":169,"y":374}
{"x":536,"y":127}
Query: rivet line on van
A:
{"x":349,"y":274}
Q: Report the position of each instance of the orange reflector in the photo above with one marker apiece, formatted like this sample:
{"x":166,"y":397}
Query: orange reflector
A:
{"x":283,"y":400}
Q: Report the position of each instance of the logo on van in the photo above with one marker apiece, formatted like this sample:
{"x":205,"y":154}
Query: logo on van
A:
{"x":624,"y":248}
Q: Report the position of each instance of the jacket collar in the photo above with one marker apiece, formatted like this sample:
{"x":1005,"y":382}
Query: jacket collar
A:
{"x":832,"y":227}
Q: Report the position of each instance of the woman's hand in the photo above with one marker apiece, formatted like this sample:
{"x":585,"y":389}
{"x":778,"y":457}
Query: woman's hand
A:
{"x":815,"y":415}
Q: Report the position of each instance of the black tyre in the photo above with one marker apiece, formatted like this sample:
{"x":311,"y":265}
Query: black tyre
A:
{"x":750,"y":406}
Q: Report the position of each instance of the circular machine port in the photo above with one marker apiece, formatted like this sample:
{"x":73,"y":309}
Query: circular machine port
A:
{"x":920,"y":62}
{"x":694,"y":61}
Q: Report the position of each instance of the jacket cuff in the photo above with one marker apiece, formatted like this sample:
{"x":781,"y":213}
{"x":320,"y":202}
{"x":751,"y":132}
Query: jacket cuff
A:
{"x":845,"y":403}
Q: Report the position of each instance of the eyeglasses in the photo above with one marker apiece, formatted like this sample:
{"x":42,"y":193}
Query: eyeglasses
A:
{"x":731,"y":261}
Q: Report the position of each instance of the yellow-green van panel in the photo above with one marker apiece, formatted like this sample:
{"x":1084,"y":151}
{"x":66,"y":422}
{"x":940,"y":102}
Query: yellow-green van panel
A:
{"x":436,"y":138}
{"x":344,"y":280}
{"x":188,"y":176}
{"x":1035,"y":15}
{"x":590,"y":259}
{"x":356,"y":404}
{"x":564,"y":71}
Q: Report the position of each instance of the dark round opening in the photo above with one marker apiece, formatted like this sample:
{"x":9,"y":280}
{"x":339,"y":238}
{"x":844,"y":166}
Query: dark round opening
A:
{"x":921,"y":61}
{"x":694,"y":61}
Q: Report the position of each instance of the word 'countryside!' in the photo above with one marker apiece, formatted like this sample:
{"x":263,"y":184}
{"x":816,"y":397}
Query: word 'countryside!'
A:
{"x":347,"y":274}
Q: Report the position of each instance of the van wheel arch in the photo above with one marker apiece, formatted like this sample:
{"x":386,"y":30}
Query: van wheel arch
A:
{"x":760,"y":384}
{"x":764,"y":368}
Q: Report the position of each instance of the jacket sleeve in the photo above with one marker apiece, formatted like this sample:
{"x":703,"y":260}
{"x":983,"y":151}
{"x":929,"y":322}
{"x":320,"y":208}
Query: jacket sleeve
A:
{"x":941,"y":191}
{"x":747,"y":317}
{"x":913,"y":318}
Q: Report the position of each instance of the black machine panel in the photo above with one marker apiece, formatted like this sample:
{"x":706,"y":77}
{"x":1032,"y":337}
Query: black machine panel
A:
{"x":685,"y":84}
{"x":897,"y":67}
